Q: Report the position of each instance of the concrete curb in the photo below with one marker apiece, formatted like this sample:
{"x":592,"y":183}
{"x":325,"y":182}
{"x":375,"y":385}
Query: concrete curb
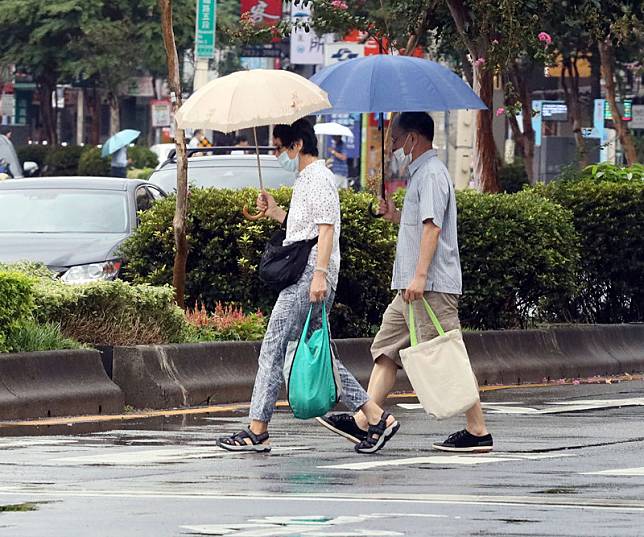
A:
{"x":56,"y":383}
{"x":167,"y":376}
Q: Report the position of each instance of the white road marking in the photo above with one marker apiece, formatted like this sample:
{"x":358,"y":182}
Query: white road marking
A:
{"x":436,"y":459}
{"x":559,"y":407}
{"x":32,"y":442}
{"x":385,"y":498}
{"x":619,"y":472}
{"x":137,"y":457}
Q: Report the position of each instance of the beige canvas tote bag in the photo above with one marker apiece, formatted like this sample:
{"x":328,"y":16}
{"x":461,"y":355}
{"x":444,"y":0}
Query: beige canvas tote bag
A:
{"x":439,"y":370}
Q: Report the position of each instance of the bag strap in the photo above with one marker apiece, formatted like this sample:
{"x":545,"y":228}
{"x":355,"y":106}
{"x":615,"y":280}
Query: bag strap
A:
{"x":325,"y":326}
{"x":412,"y":324}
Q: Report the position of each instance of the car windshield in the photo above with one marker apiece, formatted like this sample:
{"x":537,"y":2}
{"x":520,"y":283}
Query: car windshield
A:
{"x":63,"y":211}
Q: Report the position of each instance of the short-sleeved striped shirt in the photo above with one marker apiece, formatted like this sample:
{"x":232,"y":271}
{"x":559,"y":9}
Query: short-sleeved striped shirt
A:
{"x":430,"y":195}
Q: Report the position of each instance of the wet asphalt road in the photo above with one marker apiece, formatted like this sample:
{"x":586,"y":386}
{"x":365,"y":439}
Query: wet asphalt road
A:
{"x":553,"y":473}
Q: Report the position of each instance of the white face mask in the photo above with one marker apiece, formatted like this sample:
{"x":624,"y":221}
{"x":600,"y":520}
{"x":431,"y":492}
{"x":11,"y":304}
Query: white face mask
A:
{"x":288,"y":163}
{"x":401,"y":159}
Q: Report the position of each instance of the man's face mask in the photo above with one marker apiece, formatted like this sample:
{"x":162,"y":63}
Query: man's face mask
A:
{"x":403,"y":160}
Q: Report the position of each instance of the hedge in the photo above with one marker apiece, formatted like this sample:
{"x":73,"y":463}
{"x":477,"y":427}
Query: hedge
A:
{"x":518,"y":254}
{"x":609,"y":217}
{"x":35,"y":153}
{"x":16,"y":297}
{"x":110,"y":313}
{"x":142,"y":157}
{"x":91,"y":163}
{"x":63,"y":160}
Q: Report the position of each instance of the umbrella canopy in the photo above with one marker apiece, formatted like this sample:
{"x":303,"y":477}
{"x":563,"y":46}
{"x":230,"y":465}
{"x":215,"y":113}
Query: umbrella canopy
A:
{"x":385,"y":83}
{"x":332,"y":129}
{"x":251,"y":99}
{"x":119,"y":140}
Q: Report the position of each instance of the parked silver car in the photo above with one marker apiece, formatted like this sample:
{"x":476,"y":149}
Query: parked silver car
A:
{"x":235,"y":170}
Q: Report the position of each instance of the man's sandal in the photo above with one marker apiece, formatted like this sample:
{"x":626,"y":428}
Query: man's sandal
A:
{"x":237,"y":442}
{"x":378,"y":435}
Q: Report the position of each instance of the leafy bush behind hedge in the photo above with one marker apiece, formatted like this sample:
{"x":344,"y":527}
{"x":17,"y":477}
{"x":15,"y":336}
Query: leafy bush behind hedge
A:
{"x":609,"y":217}
{"x":518,"y":254}
{"x":16,"y":298}
{"x":91,"y":163}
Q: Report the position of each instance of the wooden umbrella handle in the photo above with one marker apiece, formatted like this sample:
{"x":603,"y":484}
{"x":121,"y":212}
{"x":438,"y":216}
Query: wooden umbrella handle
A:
{"x":252,"y":217}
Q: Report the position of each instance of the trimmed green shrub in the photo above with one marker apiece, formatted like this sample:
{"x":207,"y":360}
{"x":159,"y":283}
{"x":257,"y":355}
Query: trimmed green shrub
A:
{"x":143,"y":173}
{"x":110,"y":313}
{"x":31,"y":337}
{"x":519,"y":259}
{"x":609,"y":217}
{"x":518,"y":253}
{"x":63,"y":160}
{"x":142,"y":157}
{"x":612,"y":173}
{"x":35,"y":153}
{"x":16,"y":297}
{"x":91,"y":163}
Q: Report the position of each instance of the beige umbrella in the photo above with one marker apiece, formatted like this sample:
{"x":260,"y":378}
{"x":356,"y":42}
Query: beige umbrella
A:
{"x":251,"y":99}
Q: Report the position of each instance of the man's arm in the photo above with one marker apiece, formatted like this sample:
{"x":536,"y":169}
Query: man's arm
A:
{"x":428,"y":245}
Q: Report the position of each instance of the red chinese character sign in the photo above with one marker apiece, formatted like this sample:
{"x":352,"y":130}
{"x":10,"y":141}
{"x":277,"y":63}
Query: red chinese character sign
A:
{"x":266,"y":12}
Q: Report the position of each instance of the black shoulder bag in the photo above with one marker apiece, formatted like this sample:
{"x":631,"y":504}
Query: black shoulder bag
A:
{"x":282,"y":266}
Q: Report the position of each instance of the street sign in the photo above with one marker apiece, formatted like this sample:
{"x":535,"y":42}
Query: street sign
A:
{"x":161,"y":113}
{"x":554,"y":111}
{"x":205,"y":29}
{"x":638,"y":117}
{"x":260,"y":51}
{"x":307,"y":48}
{"x":625,"y":108}
{"x":263,"y":12}
{"x":341,"y":51}
{"x":8,"y":104}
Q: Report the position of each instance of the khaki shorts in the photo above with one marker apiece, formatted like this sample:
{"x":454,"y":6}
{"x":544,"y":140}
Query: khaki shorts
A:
{"x":393,"y":335}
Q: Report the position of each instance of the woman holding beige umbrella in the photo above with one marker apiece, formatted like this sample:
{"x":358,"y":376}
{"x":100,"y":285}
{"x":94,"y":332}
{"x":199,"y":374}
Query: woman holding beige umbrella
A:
{"x":314,"y":212}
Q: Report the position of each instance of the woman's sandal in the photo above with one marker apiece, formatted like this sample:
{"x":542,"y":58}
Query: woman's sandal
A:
{"x":237,"y":442}
{"x":378,"y":435}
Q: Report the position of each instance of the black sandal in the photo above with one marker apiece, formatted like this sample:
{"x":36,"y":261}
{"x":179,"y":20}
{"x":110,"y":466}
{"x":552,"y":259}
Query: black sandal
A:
{"x":378,"y":435}
{"x":237,"y":442}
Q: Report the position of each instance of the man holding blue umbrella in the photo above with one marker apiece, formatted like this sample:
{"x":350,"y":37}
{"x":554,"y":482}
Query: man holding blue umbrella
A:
{"x":116,"y":146}
{"x":427,"y":265}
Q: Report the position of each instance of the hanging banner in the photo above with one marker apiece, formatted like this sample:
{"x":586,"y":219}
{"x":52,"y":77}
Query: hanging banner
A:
{"x":262,"y":12}
{"x":307,"y":48}
{"x":341,"y":52}
{"x":205,"y":29}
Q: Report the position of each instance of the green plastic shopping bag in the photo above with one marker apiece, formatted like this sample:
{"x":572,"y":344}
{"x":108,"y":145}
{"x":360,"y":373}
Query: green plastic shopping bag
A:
{"x":310,"y":371}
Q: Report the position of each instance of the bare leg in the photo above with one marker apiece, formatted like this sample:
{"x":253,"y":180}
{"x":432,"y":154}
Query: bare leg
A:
{"x":476,"y":421}
{"x":381,"y":382}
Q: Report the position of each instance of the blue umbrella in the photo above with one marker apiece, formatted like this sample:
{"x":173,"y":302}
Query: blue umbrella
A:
{"x":384,"y":83}
{"x":119,"y":140}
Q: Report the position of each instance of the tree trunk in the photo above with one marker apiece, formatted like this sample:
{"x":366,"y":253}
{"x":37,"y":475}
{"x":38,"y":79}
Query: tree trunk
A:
{"x":571,"y":90}
{"x":485,"y":164}
{"x":181,"y":209}
{"x":607,"y":57}
{"x":115,"y":113}
{"x":527,"y":137}
{"x":47,"y":112}
{"x":95,"y":112}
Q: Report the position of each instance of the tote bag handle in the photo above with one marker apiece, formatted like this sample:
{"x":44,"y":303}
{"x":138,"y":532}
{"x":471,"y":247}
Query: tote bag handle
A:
{"x":412,"y":323}
{"x":325,"y":326}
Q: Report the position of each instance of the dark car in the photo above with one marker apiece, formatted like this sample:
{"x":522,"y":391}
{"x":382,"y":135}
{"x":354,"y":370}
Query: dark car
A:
{"x":74,"y":225}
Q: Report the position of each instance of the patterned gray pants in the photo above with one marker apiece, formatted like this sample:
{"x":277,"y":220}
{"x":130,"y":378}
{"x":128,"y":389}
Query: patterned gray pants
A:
{"x":286,"y":323}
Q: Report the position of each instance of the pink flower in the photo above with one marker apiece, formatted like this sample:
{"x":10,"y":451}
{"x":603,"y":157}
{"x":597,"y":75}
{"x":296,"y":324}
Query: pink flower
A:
{"x":544,"y":37}
{"x":576,"y":382}
{"x":339,"y":4}
{"x":479,"y":62}
{"x":495,"y":41}
{"x":500,"y":111}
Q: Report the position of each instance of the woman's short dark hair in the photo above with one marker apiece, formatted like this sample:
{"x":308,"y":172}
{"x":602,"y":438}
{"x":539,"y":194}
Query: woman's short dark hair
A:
{"x":420,"y":122}
{"x":302,"y":129}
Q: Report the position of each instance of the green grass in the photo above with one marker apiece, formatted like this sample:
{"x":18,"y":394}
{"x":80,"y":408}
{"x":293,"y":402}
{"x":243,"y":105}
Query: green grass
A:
{"x":32,"y":337}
